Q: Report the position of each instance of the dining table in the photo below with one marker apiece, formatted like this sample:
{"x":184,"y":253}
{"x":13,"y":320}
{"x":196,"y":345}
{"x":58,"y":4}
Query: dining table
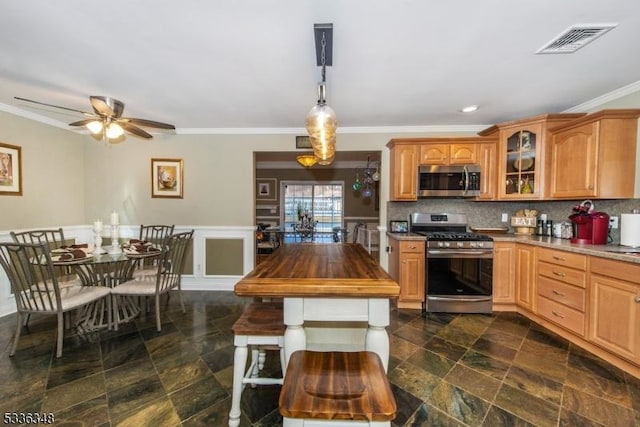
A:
{"x":104,"y":270}
{"x":335,"y":296}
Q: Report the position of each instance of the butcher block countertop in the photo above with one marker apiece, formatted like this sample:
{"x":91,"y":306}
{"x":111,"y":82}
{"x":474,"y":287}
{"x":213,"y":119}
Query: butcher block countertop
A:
{"x":318,"y":270}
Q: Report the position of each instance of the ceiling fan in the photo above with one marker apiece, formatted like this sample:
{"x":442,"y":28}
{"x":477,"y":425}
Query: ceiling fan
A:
{"x":106,"y":121}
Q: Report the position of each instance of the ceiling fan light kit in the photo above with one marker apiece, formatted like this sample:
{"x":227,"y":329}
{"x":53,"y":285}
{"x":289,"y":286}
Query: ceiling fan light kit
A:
{"x":106,"y":122}
{"x":321,"y":122}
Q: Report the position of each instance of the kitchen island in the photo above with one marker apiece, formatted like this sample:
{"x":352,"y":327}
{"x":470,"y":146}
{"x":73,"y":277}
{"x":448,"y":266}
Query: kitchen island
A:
{"x":336,"y":296}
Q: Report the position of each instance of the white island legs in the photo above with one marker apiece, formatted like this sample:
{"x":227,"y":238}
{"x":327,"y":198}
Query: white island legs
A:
{"x":372,"y":311}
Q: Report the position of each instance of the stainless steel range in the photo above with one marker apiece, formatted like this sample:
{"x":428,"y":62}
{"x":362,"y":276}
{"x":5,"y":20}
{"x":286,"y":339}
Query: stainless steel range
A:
{"x":459,"y":264}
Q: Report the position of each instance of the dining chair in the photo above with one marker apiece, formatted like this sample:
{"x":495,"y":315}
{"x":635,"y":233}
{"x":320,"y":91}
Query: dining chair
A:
{"x":168,"y":276}
{"x":156,"y":234}
{"x":54,"y":239}
{"x":27,"y":266}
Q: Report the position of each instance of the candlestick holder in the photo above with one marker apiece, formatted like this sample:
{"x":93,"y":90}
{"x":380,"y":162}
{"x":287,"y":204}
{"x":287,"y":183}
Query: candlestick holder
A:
{"x":115,"y":244}
{"x":97,"y":238}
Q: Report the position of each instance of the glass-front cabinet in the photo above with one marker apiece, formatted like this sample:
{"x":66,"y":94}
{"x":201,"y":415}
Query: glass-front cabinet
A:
{"x":521,"y":165}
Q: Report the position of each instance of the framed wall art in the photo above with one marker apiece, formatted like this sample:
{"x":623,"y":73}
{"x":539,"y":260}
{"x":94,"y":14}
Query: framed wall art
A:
{"x":167,"y":178}
{"x":399,"y":226}
{"x":10,"y":170}
{"x":303,"y":142}
{"x":266,"y":189}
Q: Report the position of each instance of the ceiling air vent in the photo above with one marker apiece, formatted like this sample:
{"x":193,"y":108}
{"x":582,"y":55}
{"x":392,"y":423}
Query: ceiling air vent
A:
{"x":575,"y":37}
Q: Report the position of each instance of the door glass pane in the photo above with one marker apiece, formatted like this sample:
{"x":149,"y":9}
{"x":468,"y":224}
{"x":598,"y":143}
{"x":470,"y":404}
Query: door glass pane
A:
{"x":323,"y":201}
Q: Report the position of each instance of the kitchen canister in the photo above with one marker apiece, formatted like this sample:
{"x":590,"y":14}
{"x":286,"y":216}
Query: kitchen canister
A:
{"x":630,"y":229}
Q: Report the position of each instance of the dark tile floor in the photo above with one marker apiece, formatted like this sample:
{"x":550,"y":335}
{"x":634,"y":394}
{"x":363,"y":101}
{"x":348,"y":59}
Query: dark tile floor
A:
{"x":445,"y":370}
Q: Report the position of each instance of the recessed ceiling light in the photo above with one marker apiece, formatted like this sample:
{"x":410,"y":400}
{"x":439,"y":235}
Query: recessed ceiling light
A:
{"x":469,"y":109}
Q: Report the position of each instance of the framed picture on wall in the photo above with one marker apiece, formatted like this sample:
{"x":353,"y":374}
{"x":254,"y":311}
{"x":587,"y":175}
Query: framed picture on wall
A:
{"x":266,"y":189}
{"x":167,"y":178}
{"x":10,"y":170}
{"x":303,"y":142}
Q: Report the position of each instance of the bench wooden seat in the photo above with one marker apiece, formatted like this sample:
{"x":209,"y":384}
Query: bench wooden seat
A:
{"x":335,"y":386}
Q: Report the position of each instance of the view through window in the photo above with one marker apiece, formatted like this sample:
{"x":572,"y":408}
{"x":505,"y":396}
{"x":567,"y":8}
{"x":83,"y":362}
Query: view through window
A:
{"x":324,"y":202}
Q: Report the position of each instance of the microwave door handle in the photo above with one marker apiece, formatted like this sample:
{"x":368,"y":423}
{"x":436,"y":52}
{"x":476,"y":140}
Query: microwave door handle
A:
{"x":465,"y":178}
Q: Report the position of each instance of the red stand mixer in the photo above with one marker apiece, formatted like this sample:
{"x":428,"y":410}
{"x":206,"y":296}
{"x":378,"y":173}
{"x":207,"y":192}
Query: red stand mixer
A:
{"x":589,"y":228}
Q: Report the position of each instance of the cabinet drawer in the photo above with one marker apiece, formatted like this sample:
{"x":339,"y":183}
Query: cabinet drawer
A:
{"x":561,"y":292}
{"x":567,"y":259}
{"x":411,"y":246}
{"x":562,"y":315}
{"x":617,"y":269}
{"x":563,"y":274}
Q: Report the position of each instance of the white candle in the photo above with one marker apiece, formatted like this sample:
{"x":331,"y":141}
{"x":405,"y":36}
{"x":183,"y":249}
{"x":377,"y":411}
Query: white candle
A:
{"x":97,"y":225}
{"x":115,"y":220}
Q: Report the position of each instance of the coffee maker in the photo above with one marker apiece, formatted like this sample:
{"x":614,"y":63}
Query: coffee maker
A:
{"x":589,"y":228}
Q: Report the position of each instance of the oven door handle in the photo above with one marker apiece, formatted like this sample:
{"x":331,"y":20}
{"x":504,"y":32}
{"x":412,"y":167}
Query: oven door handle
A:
{"x":454,"y":252}
{"x":462,"y":299}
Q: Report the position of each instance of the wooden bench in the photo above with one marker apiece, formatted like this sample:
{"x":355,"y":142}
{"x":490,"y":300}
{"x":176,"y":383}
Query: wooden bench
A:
{"x":260,"y":326}
{"x":335,"y":389}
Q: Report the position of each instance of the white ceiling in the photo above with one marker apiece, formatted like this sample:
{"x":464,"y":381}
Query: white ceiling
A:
{"x":249,"y":65}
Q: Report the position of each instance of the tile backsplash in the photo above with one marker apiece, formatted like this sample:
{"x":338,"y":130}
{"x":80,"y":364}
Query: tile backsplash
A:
{"x":488,"y":214}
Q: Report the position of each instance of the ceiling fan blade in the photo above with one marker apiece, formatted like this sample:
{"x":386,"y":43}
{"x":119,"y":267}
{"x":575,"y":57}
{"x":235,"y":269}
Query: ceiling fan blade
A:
{"x":148,"y":123}
{"x":83,"y":122}
{"x":101,"y":106}
{"x":135,"y":130}
{"x":54,"y":106}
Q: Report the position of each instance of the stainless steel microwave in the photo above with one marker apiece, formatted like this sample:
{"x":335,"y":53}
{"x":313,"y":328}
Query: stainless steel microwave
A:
{"x":449,"y":181}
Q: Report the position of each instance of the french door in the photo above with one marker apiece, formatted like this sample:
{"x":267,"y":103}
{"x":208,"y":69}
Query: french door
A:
{"x":323,"y":201}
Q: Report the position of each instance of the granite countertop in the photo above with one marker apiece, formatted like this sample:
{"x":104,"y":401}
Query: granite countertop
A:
{"x":611,"y":251}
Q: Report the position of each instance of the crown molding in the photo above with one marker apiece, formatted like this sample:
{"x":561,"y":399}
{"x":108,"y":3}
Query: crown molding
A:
{"x":603,"y":99}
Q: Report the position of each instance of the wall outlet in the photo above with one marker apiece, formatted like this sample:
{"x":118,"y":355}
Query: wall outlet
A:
{"x":613,"y":222}
{"x":505,"y":217}
{"x":543,"y":217}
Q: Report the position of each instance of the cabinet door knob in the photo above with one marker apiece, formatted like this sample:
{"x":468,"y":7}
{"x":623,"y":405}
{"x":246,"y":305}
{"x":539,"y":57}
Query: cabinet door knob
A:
{"x":558,"y":293}
{"x":637,"y":299}
{"x":555,"y":313}
{"x":558,"y":273}
{"x":558,"y":258}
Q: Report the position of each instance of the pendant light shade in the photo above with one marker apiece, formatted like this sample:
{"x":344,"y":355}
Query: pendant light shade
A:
{"x":307,"y":160}
{"x":321,"y":122}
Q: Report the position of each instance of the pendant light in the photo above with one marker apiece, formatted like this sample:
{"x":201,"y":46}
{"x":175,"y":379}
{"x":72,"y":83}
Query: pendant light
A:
{"x":321,"y":121}
{"x":307,"y":160}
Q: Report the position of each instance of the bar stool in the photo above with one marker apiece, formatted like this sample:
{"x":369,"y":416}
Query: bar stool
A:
{"x":260,"y":326}
{"x":336,"y":388}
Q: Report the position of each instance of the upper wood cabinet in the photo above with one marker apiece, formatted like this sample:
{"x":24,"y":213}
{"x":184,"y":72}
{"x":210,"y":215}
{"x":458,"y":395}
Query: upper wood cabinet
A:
{"x":409,"y":153}
{"x":521,"y":155}
{"x":449,"y":153}
{"x":488,"y":165}
{"x":404,"y":171}
{"x":594,"y":156}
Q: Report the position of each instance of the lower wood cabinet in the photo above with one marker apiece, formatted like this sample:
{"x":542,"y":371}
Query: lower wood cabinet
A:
{"x":406,"y":266}
{"x":561,"y":288}
{"x":614,"y":312}
{"x":525,"y":280}
{"x":504,"y":274}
